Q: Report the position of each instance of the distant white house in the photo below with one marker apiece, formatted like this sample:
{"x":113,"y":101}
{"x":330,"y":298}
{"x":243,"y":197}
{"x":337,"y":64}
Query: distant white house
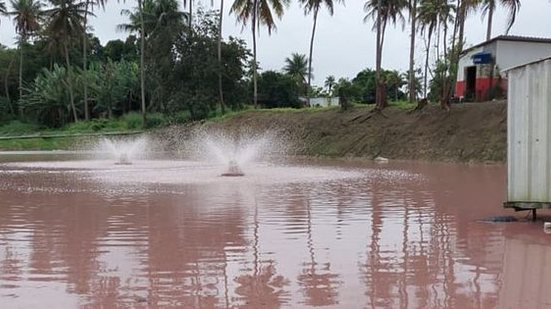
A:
{"x":321,"y":101}
{"x":481,"y":67}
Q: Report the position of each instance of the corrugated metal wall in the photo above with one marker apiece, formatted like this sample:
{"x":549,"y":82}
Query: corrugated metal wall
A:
{"x":529,"y":133}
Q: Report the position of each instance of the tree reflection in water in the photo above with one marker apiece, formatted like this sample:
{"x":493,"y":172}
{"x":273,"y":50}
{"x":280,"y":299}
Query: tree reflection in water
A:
{"x":318,"y":283}
{"x":264,"y":288}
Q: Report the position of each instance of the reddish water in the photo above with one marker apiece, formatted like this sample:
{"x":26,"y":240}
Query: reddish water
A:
{"x":339,"y":235}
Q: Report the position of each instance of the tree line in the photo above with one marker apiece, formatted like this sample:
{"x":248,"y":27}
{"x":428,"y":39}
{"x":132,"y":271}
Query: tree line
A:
{"x":177,"y":61}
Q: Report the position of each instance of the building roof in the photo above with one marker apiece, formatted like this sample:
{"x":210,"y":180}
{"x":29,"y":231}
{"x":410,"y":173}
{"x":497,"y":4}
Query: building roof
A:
{"x":514,"y":38}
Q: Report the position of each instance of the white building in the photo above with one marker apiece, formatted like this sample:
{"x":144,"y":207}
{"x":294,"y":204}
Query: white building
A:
{"x":321,"y":101}
{"x":480,"y":71}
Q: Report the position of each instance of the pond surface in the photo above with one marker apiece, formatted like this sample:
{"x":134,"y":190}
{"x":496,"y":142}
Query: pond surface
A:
{"x":343,"y":235}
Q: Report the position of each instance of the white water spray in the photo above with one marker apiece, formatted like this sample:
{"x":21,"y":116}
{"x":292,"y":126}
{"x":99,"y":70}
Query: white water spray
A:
{"x":124,"y":151}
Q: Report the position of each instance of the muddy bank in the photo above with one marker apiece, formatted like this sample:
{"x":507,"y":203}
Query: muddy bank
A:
{"x":467,"y":133}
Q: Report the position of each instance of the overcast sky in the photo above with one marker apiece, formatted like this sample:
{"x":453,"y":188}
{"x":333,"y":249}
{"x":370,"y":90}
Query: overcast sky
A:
{"x":344,"y":43}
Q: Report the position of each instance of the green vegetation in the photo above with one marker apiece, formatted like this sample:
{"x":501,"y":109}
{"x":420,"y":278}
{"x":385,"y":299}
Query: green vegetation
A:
{"x":16,"y":127}
{"x":403,"y":104}
{"x":55,"y":143}
{"x":173,"y":68}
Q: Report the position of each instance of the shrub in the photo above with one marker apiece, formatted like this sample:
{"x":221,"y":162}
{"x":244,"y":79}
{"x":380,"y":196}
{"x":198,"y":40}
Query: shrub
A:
{"x":16,"y":127}
{"x":5,"y":109}
{"x":155,"y":120}
{"x":277,"y":90}
{"x":133,"y":120}
{"x":181,"y":117}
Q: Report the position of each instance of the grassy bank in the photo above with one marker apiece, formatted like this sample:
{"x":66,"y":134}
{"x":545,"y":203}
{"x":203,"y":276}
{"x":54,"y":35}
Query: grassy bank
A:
{"x":16,"y":135}
{"x":128,"y":122}
{"x":467,"y":133}
{"x":62,"y":143}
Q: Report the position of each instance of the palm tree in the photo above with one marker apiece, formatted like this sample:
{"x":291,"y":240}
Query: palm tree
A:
{"x":190,"y":7}
{"x":464,"y":7}
{"x":220,"y":90}
{"x":329,"y":83}
{"x":413,"y":18}
{"x":297,"y":67}
{"x":489,"y":6}
{"x":258,"y":12}
{"x":432,"y":14}
{"x":382,"y":12}
{"x":89,"y":5}
{"x":66,"y":21}
{"x":137,"y":24}
{"x":26,"y":17}
{"x":151,"y":19}
{"x":313,"y":6}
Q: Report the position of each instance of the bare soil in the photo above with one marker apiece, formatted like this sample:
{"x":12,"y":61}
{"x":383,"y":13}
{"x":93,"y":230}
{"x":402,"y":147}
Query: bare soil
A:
{"x":475,"y":132}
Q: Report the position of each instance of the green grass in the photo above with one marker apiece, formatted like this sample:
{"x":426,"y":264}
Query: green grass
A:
{"x":63,"y":143}
{"x":128,"y":122}
{"x":16,"y":127}
{"x":45,"y":139}
{"x":249,"y":109}
{"x":404,"y":105}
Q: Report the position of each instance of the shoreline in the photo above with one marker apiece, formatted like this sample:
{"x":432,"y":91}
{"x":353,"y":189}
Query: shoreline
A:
{"x":468,"y":133}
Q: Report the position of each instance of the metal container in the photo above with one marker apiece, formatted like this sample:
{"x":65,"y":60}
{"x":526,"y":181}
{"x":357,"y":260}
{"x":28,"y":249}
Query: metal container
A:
{"x":529,"y":136}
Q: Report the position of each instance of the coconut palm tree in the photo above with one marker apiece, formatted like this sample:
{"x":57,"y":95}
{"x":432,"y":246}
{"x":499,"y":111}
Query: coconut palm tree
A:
{"x":313,"y":6}
{"x":382,"y":12}
{"x":3,"y":9}
{"x":432,"y":14}
{"x":189,"y":4}
{"x":66,"y":22}
{"x":26,"y":17}
{"x":220,"y":90}
{"x":413,"y":33}
{"x":151,"y":19}
{"x":488,"y":8}
{"x":296,"y":66}
{"x":258,"y":12}
{"x":137,"y":24}
{"x":464,"y":7}
{"x":329,"y":83}
{"x":90,"y":5}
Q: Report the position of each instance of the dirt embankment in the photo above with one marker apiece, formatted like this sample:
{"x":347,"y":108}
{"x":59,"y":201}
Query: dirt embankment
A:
{"x":467,"y":133}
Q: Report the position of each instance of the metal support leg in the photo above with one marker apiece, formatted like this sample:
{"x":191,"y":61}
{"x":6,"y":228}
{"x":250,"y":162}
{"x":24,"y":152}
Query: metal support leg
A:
{"x":533,"y":215}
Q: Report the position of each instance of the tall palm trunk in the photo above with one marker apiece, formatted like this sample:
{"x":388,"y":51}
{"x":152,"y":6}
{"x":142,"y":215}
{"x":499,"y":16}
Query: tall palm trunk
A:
{"x":22,"y":43}
{"x":490,"y":20}
{"x":190,"y":13}
{"x":142,"y":62}
{"x":461,"y":20}
{"x":412,"y":90}
{"x":426,"y":67}
{"x":447,"y":91}
{"x":311,"y":53}
{"x":438,"y":35}
{"x":255,"y":73}
{"x":459,"y":28}
{"x":220,"y":67}
{"x":70,"y":81}
{"x":6,"y":85}
{"x":378,"y":94}
{"x":85,"y":63}
{"x":445,"y":42}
